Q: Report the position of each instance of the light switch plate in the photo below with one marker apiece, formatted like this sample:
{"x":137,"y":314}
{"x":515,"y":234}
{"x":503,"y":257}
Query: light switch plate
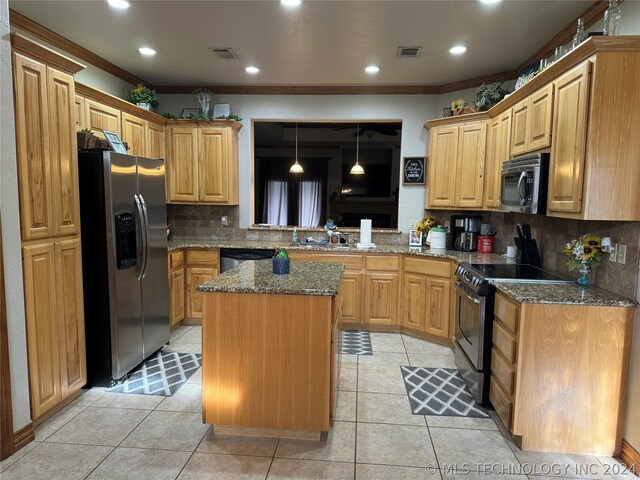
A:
{"x":224,"y":220}
{"x":613,"y":254}
{"x":622,"y":254}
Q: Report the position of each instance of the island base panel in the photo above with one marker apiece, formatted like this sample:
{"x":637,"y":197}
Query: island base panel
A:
{"x":266,"y":360}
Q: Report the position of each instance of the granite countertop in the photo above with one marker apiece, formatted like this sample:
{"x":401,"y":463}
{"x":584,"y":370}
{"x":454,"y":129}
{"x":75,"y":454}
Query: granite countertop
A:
{"x":562,"y":294}
{"x":305,"y":278}
{"x":461,"y":257}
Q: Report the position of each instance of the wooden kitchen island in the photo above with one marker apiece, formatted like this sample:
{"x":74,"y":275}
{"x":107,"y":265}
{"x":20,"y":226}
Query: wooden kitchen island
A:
{"x":270,"y":353}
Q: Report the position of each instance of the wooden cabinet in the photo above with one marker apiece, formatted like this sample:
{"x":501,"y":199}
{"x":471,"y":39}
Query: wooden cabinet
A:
{"x":134,"y":133}
{"x":558,"y":374}
{"x":203,"y":163}
{"x":381,"y":298}
{"x":456,"y":164}
{"x":470,"y":165}
{"x":566,"y":169}
{"x":46,"y":123}
{"x":532,"y":122}
{"x":101,"y":117}
{"x":176,"y":287}
{"x":498,"y":150}
{"x":201,"y":266}
{"x":351,"y":293}
{"x":155,"y":140}
{"x":442,"y":163}
{"x":79,"y":113}
{"x":427,"y":296}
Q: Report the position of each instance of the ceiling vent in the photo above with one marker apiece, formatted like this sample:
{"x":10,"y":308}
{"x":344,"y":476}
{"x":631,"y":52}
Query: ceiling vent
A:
{"x":224,"y":53}
{"x":409,"y":52}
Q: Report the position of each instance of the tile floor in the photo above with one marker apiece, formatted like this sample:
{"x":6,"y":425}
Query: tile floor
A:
{"x":116,"y":436}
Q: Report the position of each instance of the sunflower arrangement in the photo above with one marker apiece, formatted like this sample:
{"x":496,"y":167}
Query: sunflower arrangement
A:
{"x":426,"y":224}
{"x":585,"y":252}
{"x":458,"y":105}
{"x":142,"y":93}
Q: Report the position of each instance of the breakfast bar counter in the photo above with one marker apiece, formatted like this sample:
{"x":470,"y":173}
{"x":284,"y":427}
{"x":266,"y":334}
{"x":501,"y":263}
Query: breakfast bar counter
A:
{"x":269,"y":349}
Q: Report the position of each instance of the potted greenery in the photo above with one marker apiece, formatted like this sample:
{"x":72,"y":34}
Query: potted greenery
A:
{"x":488,"y":95}
{"x":143,"y":97}
{"x":281,"y":263}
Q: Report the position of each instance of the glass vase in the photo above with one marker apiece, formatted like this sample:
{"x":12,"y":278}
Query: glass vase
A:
{"x":204,"y":98}
{"x":584,"y":279}
{"x":612,"y":17}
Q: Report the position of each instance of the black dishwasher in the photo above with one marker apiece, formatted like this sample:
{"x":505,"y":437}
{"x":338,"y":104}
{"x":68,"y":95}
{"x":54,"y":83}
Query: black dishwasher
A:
{"x":231,"y":257}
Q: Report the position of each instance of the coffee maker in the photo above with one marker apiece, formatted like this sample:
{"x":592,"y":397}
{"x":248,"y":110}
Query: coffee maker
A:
{"x":464,"y":232}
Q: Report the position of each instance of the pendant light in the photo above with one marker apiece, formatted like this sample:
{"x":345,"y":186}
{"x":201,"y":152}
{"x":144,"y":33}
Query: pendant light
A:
{"x":357,"y":168}
{"x":296,"y":167}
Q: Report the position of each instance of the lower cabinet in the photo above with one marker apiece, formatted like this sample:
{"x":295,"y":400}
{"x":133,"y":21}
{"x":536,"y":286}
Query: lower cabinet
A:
{"x":351,"y":293}
{"x":426,"y":296}
{"x":199,"y":266}
{"x":176,"y":287}
{"x":381,"y":294}
{"x":196,"y":276}
{"x":55,"y":322}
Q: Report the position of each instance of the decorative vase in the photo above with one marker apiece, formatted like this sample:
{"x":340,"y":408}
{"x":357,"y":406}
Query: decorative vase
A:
{"x":281,"y":266}
{"x":583,"y":279}
{"x":145,"y":105}
{"x":204,"y":98}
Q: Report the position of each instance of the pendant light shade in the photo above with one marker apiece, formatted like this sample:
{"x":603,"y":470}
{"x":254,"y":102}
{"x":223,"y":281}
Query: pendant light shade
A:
{"x":296,"y":167}
{"x":357,"y":168}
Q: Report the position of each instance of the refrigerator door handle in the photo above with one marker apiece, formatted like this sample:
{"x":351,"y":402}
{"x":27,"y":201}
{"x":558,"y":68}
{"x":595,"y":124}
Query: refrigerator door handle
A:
{"x":141,"y":249}
{"x":145,"y":213}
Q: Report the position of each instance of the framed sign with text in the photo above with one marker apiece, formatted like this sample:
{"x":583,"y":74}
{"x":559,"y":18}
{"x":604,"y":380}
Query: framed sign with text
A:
{"x":413,"y":170}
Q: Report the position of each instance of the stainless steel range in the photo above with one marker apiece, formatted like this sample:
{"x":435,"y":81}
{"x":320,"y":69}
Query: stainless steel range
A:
{"x":474,"y":323}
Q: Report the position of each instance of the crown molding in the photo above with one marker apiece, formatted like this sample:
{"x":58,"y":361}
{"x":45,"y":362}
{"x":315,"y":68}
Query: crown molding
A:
{"x":305,"y":89}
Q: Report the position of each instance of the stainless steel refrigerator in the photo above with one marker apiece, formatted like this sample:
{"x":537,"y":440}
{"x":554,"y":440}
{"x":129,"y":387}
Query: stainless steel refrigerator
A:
{"x":124,"y":260}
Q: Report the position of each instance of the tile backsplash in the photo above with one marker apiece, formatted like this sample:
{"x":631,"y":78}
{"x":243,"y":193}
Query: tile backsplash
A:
{"x":551,"y":234}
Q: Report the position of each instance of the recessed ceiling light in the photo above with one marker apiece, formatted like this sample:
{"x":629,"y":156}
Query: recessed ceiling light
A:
{"x":457,"y":50}
{"x":119,"y":3}
{"x":291,"y":3}
{"x":490,"y":1}
{"x":147,"y":52}
{"x":371,"y":69}
{"x":252,"y":70}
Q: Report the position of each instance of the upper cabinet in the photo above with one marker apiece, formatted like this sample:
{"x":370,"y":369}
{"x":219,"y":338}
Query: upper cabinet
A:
{"x":532,"y":122}
{"x":498,"y":148}
{"x":101,"y":117}
{"x":155,"y":140}
{"x":202,"y":162}
{"x":134,"y":134}
{"x":456,"y":162}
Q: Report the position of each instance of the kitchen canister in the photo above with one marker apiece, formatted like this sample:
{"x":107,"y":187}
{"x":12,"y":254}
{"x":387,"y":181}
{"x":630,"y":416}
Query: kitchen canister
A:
{"x":486,"y":243}
{"x":437,"y":238}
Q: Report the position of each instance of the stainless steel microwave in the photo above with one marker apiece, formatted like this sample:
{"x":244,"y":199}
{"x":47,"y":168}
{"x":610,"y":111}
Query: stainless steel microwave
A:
{"x":523,"y":185}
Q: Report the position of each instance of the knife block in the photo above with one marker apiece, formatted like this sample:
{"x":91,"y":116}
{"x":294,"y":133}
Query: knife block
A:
{"x":529,"y":253}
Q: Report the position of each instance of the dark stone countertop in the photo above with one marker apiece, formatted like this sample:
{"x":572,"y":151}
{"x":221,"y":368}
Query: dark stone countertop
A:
{"x":305,"y":278}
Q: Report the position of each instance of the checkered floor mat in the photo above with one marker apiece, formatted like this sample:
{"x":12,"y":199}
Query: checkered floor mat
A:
{"x":439,"y":391}
{"x":356,"y":342}
{"x":162,"y":374}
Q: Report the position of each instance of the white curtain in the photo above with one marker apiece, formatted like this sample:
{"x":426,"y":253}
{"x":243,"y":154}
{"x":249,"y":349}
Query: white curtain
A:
{"x":276,"y":196}
{"x":310,"y":205}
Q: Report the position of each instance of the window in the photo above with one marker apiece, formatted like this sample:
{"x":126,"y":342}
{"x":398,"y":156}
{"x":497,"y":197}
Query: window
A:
{"x":326,"y":188}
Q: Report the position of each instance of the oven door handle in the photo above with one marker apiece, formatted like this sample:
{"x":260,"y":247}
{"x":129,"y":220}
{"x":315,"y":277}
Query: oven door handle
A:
{"x":462,"y":290}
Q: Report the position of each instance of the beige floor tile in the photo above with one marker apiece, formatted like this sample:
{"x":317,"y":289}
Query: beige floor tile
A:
{"x":348,"y":379}
{"x":55,"y":461}
{"x":140,"y":464}
{"x":187,"y":399}
{"x":207,"y":466}
{"x":381,"y":380}
{"x":49,"y":426}
{"x":382,"y":359}
{"x":179,"y":332}
{"x":168,"y":430}
{"x":89,"y":397}
{"x":194,"y":335}
{"x":461,"y":422}
{"x":338,"y":447}
{"x":7,"y":462}
{"x":387,"y":472}
{"x":424,"y":347}
{"x":99,"y":426}
{"x":492,"y":472}
{"x":617,"y":469}
{"x":285,"y":469}
{"x":471,"y":449}
{"x":431,"y":361}
{"x":346,"y":408}
{"x":128,"y":400}
{"x":387,"y":408}
{"x":349,"y":360}
{"x":196,"y":377}
{"x":183,"y":347}
{"x":561,"y":465}
{"x":394,"y":445}
{"x":237,"y":445}
{"x":387,"y":342}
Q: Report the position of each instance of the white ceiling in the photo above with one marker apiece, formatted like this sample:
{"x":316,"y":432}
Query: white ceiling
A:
{"x":319,"y":43}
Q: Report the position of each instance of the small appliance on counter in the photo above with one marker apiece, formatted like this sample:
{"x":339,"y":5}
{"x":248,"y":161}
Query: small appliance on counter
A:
{"x":486,"y":239}
{"x":464,"y":232}
{"x":437,"y":238}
